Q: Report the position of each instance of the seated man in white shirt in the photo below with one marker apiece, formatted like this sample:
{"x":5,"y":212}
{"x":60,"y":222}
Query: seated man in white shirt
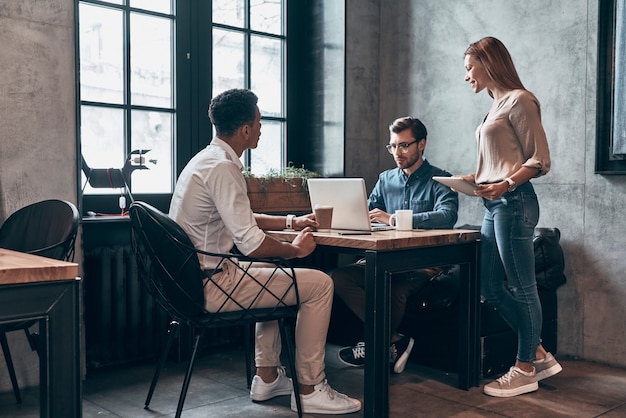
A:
{"x":211,"y":204}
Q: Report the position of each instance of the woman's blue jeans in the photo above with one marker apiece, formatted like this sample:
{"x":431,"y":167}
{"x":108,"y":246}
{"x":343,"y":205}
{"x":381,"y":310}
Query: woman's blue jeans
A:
{"x":508,"y":265}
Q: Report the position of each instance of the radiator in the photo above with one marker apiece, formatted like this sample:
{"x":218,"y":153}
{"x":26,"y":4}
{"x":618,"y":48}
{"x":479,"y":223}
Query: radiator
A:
{"x":122,"y":321}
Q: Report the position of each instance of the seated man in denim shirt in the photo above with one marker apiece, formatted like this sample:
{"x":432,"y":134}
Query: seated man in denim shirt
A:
{"x":409,"y":186}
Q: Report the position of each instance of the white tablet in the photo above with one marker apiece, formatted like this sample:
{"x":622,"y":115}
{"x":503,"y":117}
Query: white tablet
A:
{"x":457,"y":183}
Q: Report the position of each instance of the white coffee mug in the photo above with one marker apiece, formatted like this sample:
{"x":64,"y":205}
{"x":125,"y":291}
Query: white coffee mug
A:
{"x":402,"y":220}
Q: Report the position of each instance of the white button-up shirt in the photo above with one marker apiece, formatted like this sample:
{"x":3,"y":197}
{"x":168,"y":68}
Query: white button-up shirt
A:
{"x":210,"y":202}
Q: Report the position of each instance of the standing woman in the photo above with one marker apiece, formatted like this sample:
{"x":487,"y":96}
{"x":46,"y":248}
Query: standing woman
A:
{"x":512,"y":150}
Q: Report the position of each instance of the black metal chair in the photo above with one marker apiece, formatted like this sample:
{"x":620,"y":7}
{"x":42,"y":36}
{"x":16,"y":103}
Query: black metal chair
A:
{"x":47,"y":228}
{"x":170,"y":269}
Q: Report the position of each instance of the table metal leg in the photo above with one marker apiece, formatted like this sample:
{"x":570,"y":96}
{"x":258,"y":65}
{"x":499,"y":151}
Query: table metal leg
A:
{"x":376,"y":393}
{"x":379,"y":268}
{"x":60,"y":388}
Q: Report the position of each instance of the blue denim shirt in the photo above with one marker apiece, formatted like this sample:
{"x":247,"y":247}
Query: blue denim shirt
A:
{"x":434,"y":205}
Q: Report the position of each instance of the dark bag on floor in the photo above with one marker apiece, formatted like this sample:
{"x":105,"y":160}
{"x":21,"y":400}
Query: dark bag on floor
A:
{"x":441,"y":291}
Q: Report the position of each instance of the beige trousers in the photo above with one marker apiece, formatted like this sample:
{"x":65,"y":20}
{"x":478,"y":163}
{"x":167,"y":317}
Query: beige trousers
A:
{"x":316,"y":296}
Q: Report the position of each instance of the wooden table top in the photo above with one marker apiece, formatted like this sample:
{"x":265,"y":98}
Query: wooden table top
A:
{"x":17,"y":267}
{"x":387,"y":240}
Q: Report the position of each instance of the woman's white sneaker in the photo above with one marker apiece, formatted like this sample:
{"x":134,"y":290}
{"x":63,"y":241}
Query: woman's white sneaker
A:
{"x":546,"y":367}
{"x":512,"y":383}
{"x":326,"y":400}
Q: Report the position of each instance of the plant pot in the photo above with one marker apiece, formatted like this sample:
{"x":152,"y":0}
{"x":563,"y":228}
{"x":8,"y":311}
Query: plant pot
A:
{"x":278,"y":195}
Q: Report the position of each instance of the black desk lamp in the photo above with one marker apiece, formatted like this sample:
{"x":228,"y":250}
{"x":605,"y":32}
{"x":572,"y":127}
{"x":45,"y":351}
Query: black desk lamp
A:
{"x":114,"y":178}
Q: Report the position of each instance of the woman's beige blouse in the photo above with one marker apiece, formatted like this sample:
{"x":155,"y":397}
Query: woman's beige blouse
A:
{"x":511,"y":136}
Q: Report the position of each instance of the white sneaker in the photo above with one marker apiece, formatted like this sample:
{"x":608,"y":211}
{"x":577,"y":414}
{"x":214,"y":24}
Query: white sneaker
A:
{"x":326,"y":400}
{"x":514,"y":382}
{"x":547,"y":367}
{"x":261,"y":391}
{"x":399,"y":353}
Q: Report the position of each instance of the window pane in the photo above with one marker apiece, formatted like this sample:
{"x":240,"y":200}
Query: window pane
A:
{"x":102,"y":140}
{"x":228,"y":12}
{"x":101,"y":54}
{"x":161,"y":6}
{"x":266,"y":16}
{"x":151,"y":60}
{"x":266,"y":61}
{"x":152,"y":131}
{"x":268,"y":155}
{"x":228,"y":60}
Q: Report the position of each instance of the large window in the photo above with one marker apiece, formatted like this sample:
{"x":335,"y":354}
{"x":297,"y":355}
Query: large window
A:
{"x":249,"y":47}
{"x":126,"y":91}
{"x":147,"y":70}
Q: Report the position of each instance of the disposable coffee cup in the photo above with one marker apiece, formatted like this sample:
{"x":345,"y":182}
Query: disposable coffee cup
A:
{"x":324,"y":217}
{"x":402,"y":220}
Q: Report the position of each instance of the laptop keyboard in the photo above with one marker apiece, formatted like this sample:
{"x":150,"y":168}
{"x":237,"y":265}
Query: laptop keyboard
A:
{"x":381,"y":227}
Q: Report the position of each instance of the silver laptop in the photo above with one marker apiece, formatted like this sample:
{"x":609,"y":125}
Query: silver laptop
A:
{"x":348,"y":198}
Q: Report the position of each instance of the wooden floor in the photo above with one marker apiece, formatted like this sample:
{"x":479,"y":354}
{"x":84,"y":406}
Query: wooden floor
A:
{"x":218,"y":389}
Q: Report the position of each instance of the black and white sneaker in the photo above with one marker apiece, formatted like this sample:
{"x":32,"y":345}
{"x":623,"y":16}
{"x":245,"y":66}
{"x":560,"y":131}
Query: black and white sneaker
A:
{"x":399,"y":353}
{"x":353,"y":355}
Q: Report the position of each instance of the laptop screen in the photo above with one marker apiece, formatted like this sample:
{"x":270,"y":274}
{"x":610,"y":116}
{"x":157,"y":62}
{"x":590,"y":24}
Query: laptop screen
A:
{"x":348,"y":198}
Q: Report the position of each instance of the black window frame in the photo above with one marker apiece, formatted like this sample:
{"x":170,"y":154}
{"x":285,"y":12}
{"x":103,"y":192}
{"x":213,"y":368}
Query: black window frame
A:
{"x":193,"y":92}
{"x":107,"y":203}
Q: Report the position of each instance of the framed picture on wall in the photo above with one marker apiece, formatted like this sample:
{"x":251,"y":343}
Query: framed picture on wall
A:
{"x":611,"y":89}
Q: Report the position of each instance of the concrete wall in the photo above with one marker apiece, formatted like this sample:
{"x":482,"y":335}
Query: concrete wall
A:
{"x":37,"y":123}
{"x":37,"y":103}
{"x":405,"y":57}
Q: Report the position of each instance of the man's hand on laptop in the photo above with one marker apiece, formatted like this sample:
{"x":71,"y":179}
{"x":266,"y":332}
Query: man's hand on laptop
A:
{"x":379,"y":216}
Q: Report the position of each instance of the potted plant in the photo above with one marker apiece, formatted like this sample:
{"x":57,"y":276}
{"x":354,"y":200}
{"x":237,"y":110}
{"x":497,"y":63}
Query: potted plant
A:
{"x":280,"y":190}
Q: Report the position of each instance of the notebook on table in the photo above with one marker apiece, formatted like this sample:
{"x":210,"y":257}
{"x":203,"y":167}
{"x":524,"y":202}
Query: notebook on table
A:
{"x":348,"y":198}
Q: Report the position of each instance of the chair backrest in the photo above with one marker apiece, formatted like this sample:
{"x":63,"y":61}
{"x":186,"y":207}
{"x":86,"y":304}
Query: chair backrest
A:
{"x":47,"y":228}
{"x":169,"y":267}
{"x":167,"y":260}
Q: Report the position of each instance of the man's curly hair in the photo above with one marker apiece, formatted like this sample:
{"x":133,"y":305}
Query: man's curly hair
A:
{"x":232,"y":109}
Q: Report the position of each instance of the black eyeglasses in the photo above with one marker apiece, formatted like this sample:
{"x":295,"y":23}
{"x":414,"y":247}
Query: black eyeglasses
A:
{"x":403,"y":146}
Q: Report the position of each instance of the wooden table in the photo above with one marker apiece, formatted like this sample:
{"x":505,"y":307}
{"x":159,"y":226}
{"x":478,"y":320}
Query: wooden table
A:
{"x":388,"y":253}
{"x":47,"y":290}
